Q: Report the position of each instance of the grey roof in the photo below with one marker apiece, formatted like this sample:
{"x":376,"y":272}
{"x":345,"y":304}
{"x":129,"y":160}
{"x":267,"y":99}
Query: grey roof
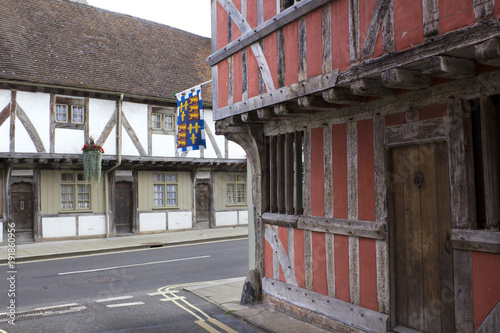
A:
{"x":69,"y":44}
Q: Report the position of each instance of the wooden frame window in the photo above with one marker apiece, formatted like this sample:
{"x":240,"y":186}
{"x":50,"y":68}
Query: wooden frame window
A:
{"x":69,"y":112}
{"x":236,"y":189}
{"x":286,"y":173}
{"x":165,"y":189}
{"x":75,"y":193}
{"x":163,"y":120}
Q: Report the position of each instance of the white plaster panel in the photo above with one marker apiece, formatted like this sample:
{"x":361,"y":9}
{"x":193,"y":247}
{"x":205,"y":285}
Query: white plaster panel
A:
{"x":235,"y":150}
{"x":110,"y":145}
{"x":24,"y":144}
{"x":164,"y":145}
{"x":203,"y":175}
{"x":37,"y":108}
{"x":152,"y":221}
{"x":243,"y":217}
{"x":180,"y":220}
{"x":128,"y":147}
{"x":226,"y":218}
{"x":5,"y":96}
{"x":137,"y":116}
{"x":100,"y":112}
{"x":58,"y":227}
{"x":1,"y":232}
{"x":193,"y":153}
{"x":5,"y":136}
{"x":91,"y":225}
{"x":69,"y":141}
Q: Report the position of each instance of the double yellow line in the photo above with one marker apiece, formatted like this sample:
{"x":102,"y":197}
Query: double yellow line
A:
{"x":201,"y":317}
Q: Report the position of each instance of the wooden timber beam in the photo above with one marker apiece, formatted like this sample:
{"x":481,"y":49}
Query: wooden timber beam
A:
{"x":314,"y":103}
{"x":253,"y":117}
{"x":290,"y":110}
{"x":449,"y":67}
{"x":342,"y":96}
{"x":488,"y":53}
{"x":265,"y":114}
{"x":402,"y":78}
{"x":370,"y":87}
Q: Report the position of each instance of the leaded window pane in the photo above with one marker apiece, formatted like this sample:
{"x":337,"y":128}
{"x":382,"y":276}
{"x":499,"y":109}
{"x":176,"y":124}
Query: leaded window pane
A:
{"x":61,"y":113}
{"x":77,"y":114}
{"x":156,"y":121}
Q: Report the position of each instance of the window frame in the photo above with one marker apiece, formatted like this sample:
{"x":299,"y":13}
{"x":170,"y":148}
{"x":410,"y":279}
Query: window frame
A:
{"x":71,"y":105}
{"x":163,"y":113}
{"x":237,"y":181}
{"x":164,"y":183}
{"x":75,"y":183}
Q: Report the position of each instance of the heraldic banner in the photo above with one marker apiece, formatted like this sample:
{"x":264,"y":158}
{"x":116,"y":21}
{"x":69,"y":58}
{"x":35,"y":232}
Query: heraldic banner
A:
{"x":190,"y":124}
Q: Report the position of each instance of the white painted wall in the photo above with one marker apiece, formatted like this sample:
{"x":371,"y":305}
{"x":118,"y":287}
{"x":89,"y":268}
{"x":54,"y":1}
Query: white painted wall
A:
{"x":23,"y":142}
{"x":152,"y":221}
{"x":100,"y":112}
{"x":68,"y":141}
{"x":180,"y":220}
{"x":235,"y":150}
{"x":91,"y":225}
{"x":58,"y":227}
{"x":5,"y":96}
{"x":243,"y":217}
{"x":137,"y":116}
{"x":163,"y":145}
{"x":226,"y":218}
{"x":37,"y":108}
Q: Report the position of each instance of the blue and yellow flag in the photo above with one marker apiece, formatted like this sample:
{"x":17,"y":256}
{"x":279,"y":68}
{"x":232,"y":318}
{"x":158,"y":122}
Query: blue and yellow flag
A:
{"x":190,"y":124}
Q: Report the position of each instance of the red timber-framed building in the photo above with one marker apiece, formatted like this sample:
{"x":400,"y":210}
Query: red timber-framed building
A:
{"x":372,"y":128}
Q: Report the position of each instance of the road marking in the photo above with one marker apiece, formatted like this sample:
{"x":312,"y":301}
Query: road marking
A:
{"x":194,"y":311}
{"x":171,"y":298}
{"x":133,"y":265}
{"x":112,"y":299}
{"x":124,"y":304}
{"x":57,"y":306}
{"x":158,"y":293}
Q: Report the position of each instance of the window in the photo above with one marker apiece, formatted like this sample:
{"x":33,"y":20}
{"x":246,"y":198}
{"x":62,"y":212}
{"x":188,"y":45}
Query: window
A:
{"x":236,"y":189}
{"x":69,"y":112}
{"x":163,"y":120}
{"x":75,"y":194}
{"x":165,"y":189}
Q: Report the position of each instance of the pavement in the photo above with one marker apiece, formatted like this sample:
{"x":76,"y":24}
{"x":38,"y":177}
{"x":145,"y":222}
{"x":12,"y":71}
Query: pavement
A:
{"x":224,"y":293}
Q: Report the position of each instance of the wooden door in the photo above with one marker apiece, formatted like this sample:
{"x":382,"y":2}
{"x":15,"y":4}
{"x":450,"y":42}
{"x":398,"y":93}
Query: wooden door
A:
{"x":203,"y":203}
{"x":21,"y":211}
{"x":422,"y":230}
{"x":123,"y":208}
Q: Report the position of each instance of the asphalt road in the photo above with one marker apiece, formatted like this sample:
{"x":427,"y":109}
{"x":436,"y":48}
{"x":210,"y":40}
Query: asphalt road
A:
{"x":119,"y":292}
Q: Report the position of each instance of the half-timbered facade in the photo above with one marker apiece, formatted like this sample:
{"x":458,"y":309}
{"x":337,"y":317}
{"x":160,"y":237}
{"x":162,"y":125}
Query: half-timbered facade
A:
{"x":372,"y":128}
{"x":69,"y":72}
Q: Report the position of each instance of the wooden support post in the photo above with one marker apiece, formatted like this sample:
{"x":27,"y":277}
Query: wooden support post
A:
{"x":273,"y":198}
{"x":289,"y":181}
{"x":280,"y":169}
{"x":298,"y":172}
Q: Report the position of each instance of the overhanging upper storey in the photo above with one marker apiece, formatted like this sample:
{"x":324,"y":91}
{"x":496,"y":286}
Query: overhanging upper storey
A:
{"x":276,"y":59}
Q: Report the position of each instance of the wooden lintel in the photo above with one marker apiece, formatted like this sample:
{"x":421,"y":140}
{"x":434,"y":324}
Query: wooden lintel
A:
{"x":314,"y":103}
{"x":342,"y":96}
{"x":402,"y":78}
{"x":488,"y":53}
{"x":449,"y":67}
{"x":370,"y":87}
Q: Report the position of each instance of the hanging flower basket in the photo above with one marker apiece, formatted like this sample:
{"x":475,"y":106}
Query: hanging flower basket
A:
{"x":92,"y":157}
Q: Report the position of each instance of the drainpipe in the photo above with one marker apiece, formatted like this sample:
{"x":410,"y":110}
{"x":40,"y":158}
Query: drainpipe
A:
{"x":118,"y":162}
